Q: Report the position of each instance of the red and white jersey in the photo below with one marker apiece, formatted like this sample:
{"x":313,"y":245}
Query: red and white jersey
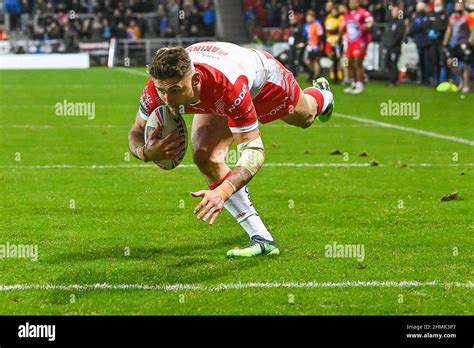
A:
{"x":354,"y":21}
{"x":239,"y":83}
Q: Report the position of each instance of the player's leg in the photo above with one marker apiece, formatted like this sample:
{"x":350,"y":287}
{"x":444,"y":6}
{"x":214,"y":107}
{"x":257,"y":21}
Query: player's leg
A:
{"x":211,"y":139}
{"x":315,"y":102}
{"x":351,"y":74}
{"x":330,"y":51}
{"x":309,"y":64}
{"x":454,"y":66}
{"x":359,"y":74}
{"x":282,"y":98}
{"x":466,"y":77}
{"x":316,"y":64}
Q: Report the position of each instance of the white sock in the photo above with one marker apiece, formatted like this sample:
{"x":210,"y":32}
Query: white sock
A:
{"x":327,"y":99}
{"x":241,"y":208}
{"x":360,"y":85}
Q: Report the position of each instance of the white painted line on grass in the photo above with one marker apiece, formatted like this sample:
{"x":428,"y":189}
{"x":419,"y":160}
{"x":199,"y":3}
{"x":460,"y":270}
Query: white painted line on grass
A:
{"x":132,"y":71}
{"x":183,"y":166}
{"x":406,"y":129}
{"x":239,"y":286}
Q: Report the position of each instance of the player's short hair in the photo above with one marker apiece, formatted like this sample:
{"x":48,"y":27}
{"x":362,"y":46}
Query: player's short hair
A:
{"x":170,"y":62}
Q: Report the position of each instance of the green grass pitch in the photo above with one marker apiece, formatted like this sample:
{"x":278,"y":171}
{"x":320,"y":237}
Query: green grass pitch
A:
{"x":131,"y":225}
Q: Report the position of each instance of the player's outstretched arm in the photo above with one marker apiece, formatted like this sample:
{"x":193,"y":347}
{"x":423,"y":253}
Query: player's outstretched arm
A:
{"x":252,"y":157}
{"x":136,"y":138}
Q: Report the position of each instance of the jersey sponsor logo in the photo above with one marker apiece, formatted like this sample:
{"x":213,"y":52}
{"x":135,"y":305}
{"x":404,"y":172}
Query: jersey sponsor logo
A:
{"x":239,"y":99}
{"x":353,"y":30}
{"x":274,"y":111}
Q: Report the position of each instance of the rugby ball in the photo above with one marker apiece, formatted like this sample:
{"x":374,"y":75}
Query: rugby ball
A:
{"x":169,"y":121}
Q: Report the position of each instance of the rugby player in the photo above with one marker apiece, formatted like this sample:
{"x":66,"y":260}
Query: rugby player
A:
{"x":459,"y":43}
{"x":230,"y":90}
{"x":356,"y":25}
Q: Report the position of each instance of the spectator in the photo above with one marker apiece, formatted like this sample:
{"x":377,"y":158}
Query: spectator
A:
{"x":97,"y":30}
{"x":71,"y":39}
{"x":133,"y":31}
{"x":120,"y":31}
{"x":333,"y":37}
{"x":314,"y":34}
{"x":25,"y":15}
{"x":117,"y":17}
{"x":274,"y":13}
{"x":395,"y":36}
{"x":297,"y":43}
{"x":13,"y":10}
{"x":39,"y":7}
{"x":173,"y":15}
{"x":53,"y":32}
{"x":438,"y":23}
{"x":86,"y":29}
{"x":209,"y":19}
{"x":251,"y":19}
{"x":50,"y":9}
{"x":107,"y":32}
{"x":261,"y":13}
{"x":164,"y":26}
{"x":419,"y":33}
{"x":62,"y":18}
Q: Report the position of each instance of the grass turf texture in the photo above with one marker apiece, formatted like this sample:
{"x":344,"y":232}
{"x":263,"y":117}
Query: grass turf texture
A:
{"x":140,"y":210}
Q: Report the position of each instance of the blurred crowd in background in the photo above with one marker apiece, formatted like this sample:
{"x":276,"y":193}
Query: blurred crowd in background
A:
{"x":442,"y":31}
{"x":99,"y":20}
{"x":341,"y":30}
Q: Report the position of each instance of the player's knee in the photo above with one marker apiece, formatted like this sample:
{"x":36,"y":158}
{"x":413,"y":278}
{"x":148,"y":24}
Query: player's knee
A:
{"x":304,"y":122}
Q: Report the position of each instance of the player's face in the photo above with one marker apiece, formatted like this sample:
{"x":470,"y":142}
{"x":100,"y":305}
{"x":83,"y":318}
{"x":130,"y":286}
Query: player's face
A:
{"x":177,"y":91}
{"x":354,"y":4}
{"x":395,"y":11}
{"x":459,"y":6}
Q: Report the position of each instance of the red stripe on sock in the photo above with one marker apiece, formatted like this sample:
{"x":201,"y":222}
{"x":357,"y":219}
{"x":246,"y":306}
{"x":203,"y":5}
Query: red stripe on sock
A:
{"x":316,"y":94}
{"x":215,"y":185}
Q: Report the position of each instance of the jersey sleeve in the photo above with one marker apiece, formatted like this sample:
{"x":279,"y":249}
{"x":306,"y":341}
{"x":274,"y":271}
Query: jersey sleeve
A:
{"x":149,"y":100}
{"x":241,"y":113}
{"x":367,"y":16}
